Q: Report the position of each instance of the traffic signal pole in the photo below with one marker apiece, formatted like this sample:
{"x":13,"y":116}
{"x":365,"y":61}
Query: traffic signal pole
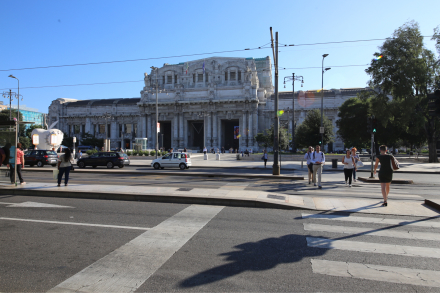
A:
{"x":372,"y":155}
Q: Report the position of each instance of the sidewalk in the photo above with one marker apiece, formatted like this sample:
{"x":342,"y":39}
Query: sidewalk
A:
{"x":232,"y":194}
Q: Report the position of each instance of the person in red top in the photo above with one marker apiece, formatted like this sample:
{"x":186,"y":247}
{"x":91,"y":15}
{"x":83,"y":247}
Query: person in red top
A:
{"x":20,"y":165}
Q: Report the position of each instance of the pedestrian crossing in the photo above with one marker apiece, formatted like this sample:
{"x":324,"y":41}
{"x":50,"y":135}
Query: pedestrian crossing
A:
{"x":383,"y":230}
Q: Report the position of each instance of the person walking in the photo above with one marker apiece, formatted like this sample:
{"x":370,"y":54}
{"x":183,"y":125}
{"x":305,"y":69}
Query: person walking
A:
{"x":385,"y":172}
{"x":308,"y":158}
{"x":64,"y":166}
{"x":356,"y":159}
{"x":19,"y":161}
{"x":80,"y":154}
{"x":265,"y":158}
{"x":205,"y":150}
{"x":318,"y":160}
{"x":349,"y":166}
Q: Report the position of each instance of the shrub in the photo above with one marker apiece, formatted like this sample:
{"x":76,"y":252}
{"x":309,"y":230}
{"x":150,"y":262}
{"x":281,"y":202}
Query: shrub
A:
{"x":152,"y":153}
{"x":129,"y":153}
{"x":91,"y":152}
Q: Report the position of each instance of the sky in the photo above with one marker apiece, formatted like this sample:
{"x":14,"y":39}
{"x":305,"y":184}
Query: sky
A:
{"x":51,"y":33}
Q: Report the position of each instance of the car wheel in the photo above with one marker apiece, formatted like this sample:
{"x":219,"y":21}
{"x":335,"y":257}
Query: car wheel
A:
{"x":110,"y":165}
{"x":94,"y":166}
{"x":40,"y":164}
{"x":182,"y":166}
{"x":81,"y":165}
{"x":162,"y":168}
{"x":54,"y":165}
{"x":121,"y":166}
{"x":156,"y":166}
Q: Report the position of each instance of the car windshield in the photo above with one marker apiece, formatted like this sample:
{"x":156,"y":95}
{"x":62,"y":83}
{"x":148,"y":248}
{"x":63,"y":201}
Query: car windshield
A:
{"x":51,"y":153}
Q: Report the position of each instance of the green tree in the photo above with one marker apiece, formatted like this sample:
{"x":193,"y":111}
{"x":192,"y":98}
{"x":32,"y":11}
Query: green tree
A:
{"x":90,"y":140}
{"x":266,"y":139}
{"x":407,"y":72}
{"x":352,"y":123}
{"x":67,"y":141}
{"x":25,"y":141}
{"x":307,"y":133}
{"x":263,"y":139}
{"x":28,"y":131}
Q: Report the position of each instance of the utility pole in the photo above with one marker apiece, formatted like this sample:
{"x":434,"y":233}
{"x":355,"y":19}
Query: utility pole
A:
{"x":157,"y":108}
{"x":293,"y":78}
{"x":276,"y":166}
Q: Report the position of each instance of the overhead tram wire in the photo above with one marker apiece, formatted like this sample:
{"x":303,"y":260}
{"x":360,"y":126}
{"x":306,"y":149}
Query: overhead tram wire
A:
{"x":197,"y":54}
{"x":135,"y":60}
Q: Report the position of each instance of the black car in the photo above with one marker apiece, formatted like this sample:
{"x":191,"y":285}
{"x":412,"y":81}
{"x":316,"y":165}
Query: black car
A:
{"x":40,"y":158}
{"x":109,"y":159}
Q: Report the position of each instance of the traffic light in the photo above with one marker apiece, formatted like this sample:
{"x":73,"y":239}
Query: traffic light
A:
{"x":434,"y":103}
{"x":374,"y":125}
{"x":369,"y":125}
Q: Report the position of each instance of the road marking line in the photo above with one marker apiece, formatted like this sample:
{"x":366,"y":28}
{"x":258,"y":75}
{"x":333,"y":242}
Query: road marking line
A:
{"x":74,"y":224}
{"x":372,"y":231}
{"x":383,"y":221}
{"x":128,"y":267}
{"x":373,"y":247}
{"x":376,"y":273}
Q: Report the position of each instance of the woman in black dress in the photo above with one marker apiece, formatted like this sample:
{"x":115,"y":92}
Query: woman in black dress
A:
{"x":385,"y":172}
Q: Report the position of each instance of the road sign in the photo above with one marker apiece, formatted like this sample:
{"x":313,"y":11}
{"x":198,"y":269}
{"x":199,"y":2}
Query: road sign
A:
{"x":321,"y":129}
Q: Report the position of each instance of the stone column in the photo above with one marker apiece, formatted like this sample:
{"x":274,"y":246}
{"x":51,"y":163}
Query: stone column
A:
{"x":149,"y":131}
{"x":255,"y":126}
{"x":250,"y":129}
{"x":243,"y":130}
{"x":208,"y":130}
{"x":144,"y":126}
{"x":175,"y":142}
{"x":214,"y":130}
{"x":180,"y":130}
{"x":229,"y":75}
{"x":113,"y":130}
{"x":87,"y":125}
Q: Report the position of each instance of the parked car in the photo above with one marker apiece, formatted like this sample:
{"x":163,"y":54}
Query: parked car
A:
{"x":109,"y":159}
{"x":176,"y":160}
{"x":40,"y":158}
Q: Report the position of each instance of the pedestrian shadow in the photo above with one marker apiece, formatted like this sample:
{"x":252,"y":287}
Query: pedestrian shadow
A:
{"x":256,"y":256}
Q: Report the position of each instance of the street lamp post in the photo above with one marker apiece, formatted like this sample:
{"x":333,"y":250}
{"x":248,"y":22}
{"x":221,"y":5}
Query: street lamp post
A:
{"x":322,"y":101}
{"x":157,"y":108}
{"x":106,"y":116}
{"x":18,"y":105}
{"x":293,"y":78}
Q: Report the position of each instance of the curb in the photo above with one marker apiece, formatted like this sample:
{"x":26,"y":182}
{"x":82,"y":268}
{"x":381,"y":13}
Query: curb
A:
{"x":376,"y":180}
{"x":183,"y":173}
{"x":433,"y":203}
{"x":153,"y":198}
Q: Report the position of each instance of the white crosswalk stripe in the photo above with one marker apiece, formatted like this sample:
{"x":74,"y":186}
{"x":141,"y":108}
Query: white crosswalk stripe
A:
{"x":347,"y":242}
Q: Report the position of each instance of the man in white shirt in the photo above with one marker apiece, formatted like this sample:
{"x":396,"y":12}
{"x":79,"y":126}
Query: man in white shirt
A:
{"x":318,"y":160}
{"x":308,"y":157}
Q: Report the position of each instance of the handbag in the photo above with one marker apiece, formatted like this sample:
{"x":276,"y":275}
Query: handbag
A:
{"x":359,"y":164}
{"x":55,"y":174}
{"x":394,"y":163}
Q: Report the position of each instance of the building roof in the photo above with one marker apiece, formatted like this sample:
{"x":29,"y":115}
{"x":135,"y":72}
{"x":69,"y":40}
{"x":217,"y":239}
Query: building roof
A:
{"x":104,"y":102}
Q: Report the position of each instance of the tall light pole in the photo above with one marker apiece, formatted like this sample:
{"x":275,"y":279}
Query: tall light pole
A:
{"x":293,"y":78}
{"x":18,"y":110}
{"x":106,"y":116}
{"x":322,"y":102}
{"x":157,"y":108}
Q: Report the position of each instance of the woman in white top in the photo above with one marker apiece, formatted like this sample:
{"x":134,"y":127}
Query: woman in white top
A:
{"x":349,"y":166}
{"x":308,"y":157}
{"x":64,"y":166}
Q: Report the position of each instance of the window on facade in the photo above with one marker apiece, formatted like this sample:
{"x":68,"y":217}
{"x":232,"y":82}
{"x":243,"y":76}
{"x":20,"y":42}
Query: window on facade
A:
{"x":83,"y":129}
{"x":200,"y":77}
{"x":101,"y":128}
{"x":194,"y":77}
{"x":128,"y":128}
{"x":109,"y":129}
{"x":226,"y":76}
{"x":163,"y":79}
{"x":206,"y":77}
{"x":233,"y":75}
{"x":169,"y":79}
{"x":135,"y":129}
{"x":120,"y":130}
{"x":239,"y":75}
{"x":76,"y":129}
{"x":175,"y":78}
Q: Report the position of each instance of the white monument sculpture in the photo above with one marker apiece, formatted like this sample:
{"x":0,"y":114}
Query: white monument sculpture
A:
{"x":47,"y":139}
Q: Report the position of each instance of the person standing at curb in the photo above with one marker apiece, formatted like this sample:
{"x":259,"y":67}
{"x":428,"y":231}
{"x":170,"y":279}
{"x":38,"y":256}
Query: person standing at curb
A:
{"x":19,"y":162}
{"x":385,"y":172}
{"x":64,"y":166}
{"x":349,"y":166}
{"x":264,"y":158}
{"x":318,"y":160}
{"x":308,"y":157}
{"x":356,"y":159}
{"x":205,"y":150}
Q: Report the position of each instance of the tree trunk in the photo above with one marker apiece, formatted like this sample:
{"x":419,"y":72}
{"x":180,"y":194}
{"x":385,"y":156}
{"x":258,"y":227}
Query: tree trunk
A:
{"x":432,"y":151}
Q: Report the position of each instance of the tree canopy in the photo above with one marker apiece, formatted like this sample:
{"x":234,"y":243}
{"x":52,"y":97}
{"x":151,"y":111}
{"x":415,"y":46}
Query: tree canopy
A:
{"x":307,"y":133}
{"x":266,"y":138}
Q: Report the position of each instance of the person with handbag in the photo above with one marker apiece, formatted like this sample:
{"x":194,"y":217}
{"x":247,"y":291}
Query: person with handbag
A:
{"x":64,"y":166}
{"x":385,"y":172}
{"x":356,"y":160}
{"x":308,"y":158}
{"x":318,"y":160}
{"x":349,"y":166}
{"x":19,"y":161}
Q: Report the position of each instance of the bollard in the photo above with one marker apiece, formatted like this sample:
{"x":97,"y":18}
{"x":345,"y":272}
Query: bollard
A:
{"x":206,"y":156}
{"x":302,"y":163}
{"x":217,"y":157}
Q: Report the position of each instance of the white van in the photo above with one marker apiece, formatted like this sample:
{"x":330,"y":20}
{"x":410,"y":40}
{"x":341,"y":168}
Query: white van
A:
{"x":173,"y":160}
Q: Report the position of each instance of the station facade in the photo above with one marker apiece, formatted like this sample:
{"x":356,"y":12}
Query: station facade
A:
{"x":214,"y":102}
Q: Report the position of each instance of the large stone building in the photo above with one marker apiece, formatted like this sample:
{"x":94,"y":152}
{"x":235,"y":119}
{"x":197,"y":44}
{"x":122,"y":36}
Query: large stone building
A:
{"x":213,"y":102}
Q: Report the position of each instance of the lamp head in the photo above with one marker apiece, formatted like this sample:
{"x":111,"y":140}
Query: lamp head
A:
{"x":11,"y":76}
{"x":328,"y":68}
{"x":325,"y":55}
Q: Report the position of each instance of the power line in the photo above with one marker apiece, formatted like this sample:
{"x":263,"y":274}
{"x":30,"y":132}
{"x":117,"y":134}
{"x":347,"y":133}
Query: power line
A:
{"x":191,"y":55}
{"x":134,"y":60}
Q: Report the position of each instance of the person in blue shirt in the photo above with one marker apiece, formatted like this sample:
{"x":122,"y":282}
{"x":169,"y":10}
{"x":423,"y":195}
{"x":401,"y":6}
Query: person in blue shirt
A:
{"x":318,"y":160}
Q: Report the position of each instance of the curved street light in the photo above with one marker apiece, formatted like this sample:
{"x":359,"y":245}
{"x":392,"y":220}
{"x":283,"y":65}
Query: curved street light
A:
{"x":322,"y":101}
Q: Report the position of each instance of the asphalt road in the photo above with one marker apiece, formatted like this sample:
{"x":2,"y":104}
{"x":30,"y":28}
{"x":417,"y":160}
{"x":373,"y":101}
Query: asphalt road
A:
{"x":145,"y":247}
